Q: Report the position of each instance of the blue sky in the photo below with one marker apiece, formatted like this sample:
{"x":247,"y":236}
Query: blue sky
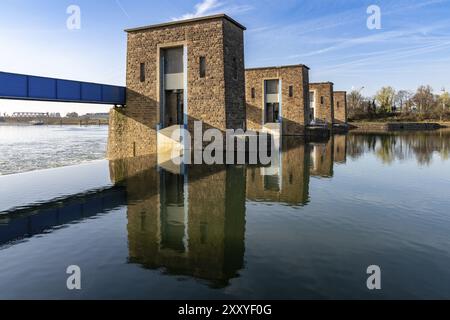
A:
{"x":330,"y":36}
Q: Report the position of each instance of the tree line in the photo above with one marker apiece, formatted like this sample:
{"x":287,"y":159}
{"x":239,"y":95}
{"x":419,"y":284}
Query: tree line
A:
{"x":423,"y":104}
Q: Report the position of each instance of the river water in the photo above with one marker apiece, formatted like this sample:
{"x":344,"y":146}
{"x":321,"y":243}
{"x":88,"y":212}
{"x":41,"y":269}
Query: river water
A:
{"x":28,"y":148}
{"x":309,"y":228}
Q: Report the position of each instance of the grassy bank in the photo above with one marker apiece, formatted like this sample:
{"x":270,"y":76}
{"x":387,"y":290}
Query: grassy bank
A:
{"x":401,"y":117}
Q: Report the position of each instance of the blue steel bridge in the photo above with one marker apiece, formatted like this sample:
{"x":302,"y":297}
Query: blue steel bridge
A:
{"x":34,"y":88}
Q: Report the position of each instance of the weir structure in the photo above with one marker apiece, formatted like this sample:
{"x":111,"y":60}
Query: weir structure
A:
{"x":277,"y":99}
{"x":178,"y":73}
{"x":188,"y":71}
{"x":340,"y":107}
{"x":322,"y":103}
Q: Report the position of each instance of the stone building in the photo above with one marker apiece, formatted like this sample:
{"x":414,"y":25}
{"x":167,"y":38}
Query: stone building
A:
{"x":322,"y":103}
{"x":278,"y":96}
{"x":340,"y":107}
{"x":177,"y":73}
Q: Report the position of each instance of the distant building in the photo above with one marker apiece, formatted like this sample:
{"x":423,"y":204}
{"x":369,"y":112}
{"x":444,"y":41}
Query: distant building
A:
{"x":340,"y":106}
{"x":97,"y":116}
{"x":72,"y":115}
{"x":35,"y":115}
{"x":322,"y":103}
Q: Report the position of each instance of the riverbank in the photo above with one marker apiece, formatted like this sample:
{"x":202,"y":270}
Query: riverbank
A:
{"x":398,"y":126}
{"x":54,"y":121}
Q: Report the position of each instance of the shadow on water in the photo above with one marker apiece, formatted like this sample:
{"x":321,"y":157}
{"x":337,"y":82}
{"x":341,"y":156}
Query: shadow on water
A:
{"x":194,"y":223}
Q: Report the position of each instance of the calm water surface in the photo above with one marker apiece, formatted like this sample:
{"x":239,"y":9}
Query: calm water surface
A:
{"x":308,"y":228}
{"x":28,"y":148}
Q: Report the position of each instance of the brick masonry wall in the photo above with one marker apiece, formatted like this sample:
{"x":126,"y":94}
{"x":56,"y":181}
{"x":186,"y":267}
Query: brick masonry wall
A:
{"x":235,"y":86}
{"x":325,"y":111}
{"x":340,"y":107}
{"x":215,"y":99}
{"x":295,"y":110}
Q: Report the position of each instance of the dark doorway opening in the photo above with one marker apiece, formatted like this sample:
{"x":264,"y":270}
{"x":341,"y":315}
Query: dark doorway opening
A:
{"x":272,"y":112}
{"x":174,"y":108}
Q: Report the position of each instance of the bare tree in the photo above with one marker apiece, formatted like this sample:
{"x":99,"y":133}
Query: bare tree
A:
{"x":355,"y":103}
{"x":444,"y":100}
{"x":402,"y":99}
{"x":424,"y":98}
{"x":385,"y":98}
{"x":72,"y":115}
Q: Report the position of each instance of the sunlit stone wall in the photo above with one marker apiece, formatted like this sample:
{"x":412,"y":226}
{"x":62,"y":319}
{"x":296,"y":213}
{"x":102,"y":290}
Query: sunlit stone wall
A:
{"x":340,"y":106}
{"x":295,"y":109}
{"x":218,"y":99}
{"x":325,"y":109}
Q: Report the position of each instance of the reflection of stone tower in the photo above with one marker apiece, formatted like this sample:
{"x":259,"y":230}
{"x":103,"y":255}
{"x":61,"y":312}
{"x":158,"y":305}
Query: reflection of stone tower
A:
{"x":217,"y":223}
{"x":142,"y":181}
{"x":322,"y":159}
{"x":190,"y":225}
{"x":340,"y":148}
{"x":290,"y":183}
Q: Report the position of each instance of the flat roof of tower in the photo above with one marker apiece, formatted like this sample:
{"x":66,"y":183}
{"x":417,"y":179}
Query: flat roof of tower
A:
{"x":187,"y":21}
{"x":278,"y":67}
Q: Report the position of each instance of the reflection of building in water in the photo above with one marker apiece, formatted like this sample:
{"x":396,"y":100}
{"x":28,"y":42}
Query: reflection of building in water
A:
{"x":340,"y":148}
{"x":192,"y":224}
{"x":289,"y":183}
{"x":322,"y":155}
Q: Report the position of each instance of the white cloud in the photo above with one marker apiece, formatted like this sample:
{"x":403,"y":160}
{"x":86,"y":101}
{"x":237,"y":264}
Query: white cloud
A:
{"x":202,"y":8}
{"x":207,"y":7}
{"x":119,"y":4}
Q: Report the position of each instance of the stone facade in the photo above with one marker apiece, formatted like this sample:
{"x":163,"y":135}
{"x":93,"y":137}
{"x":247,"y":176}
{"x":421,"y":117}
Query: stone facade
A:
{"x":218,"y":99}
{"x":340,"y":106}
{"x":294,"y":110}
{"x":324,"y":105}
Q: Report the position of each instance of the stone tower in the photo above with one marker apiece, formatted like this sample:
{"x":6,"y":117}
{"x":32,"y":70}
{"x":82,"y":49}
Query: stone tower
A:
{"x":177,"y":73}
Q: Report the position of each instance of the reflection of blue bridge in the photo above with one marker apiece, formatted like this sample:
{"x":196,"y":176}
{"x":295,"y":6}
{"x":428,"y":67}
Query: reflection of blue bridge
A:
{"x":24,"y":87}
{"x":27,"y":222}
